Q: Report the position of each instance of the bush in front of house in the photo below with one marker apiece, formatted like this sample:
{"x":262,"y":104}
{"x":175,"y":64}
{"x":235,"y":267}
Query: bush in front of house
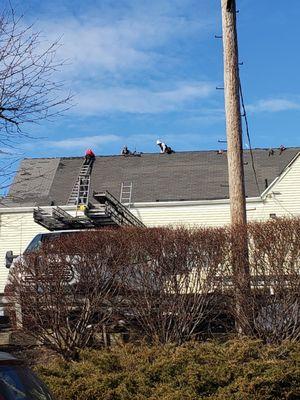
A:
{"x":161,"y":285}
{"x":244,"y":370}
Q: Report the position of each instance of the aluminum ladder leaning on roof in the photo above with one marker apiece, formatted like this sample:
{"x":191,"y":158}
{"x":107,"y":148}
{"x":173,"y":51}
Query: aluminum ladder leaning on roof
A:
{"x":126,"y":193}
{"x":80,"y":192}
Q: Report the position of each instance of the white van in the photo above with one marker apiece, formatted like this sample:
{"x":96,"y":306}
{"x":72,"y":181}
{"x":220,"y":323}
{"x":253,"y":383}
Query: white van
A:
{"x":36,"y":243}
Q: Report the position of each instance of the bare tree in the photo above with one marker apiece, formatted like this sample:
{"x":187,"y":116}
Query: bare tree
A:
{"x":171,"y":281}
{"x":65,"y":292}
{"x":275,"y":272}
{"x":29,"y":87}
{"x":28,"y":90}
{"x":170,"y":284}
{"x":273,"y":302}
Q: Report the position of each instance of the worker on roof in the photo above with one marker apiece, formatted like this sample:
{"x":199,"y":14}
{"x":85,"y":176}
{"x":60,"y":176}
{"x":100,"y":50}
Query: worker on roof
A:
{"x":89,"y":156}
{"x":125,"y":151}
{"x":281,"y":149}
{"x":271,"y":152}
{"x":164,"y":149}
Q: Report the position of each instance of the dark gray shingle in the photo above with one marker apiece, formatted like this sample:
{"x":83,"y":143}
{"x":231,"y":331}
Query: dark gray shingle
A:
{"x":197,"y":175}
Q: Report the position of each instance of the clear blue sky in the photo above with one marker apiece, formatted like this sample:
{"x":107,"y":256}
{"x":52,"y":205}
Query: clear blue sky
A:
{"x":142,"y":70}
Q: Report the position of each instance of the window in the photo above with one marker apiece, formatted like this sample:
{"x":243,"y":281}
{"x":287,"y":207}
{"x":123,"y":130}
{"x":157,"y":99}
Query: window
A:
{"x":35,"y":244}
{"x":19,"y":383}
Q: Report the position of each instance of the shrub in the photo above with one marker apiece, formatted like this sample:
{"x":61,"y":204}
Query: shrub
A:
{"x":244,"y":370}
{"x":68,"y":289}
{"x":166,"y":285}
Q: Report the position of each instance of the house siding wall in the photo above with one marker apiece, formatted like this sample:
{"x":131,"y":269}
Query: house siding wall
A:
{"x":17,"y":228}
{"x":16,"y":231}
{"x":188,"y":215}
{"x":283,"y":198}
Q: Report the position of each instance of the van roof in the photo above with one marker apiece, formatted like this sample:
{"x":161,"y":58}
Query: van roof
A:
{"x":6,"y":356}
{"x":65,"y":231}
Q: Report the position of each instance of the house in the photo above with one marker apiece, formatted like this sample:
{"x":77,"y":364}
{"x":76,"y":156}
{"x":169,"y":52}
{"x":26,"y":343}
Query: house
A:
{"x":189,"y":188}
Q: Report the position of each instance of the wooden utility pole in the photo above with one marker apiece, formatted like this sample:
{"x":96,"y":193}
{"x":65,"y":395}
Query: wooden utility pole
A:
{"x":240,"y":262}
{"x":233,"y":114}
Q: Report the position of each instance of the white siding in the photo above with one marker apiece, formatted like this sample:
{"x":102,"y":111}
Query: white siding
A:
{"x":283,"y":198}
{"x":188,"y":215}
{"x":16,"y":231}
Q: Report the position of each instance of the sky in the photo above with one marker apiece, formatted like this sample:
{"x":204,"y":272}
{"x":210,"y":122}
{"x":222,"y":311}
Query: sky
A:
{"x":141,"y":70}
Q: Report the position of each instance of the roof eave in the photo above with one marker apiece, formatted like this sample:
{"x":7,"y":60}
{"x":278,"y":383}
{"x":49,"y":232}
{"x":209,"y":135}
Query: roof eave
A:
{"x":145,"y":204}
{"x":189,"y":202}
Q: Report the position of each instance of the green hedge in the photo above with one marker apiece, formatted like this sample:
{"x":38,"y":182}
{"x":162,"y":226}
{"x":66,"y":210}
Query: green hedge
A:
{"x":241,"y":370}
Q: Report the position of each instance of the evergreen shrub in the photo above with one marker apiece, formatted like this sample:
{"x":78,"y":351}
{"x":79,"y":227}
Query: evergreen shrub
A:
{"x":238,"y":369}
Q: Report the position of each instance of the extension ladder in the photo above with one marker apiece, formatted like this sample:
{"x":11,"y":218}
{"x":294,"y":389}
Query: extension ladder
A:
{"x":126,"y":193}
{"x":80,"y":192}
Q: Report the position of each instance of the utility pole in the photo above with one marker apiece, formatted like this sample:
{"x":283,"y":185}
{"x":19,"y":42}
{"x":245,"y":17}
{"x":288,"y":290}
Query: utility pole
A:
{"x":240,"y":261}
{"x":233,"y":114}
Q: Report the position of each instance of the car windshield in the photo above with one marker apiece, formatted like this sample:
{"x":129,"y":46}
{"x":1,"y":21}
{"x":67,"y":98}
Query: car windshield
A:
{"x":37,"y":241}
{"x":34,"y":245}
{"x":19,"y":383}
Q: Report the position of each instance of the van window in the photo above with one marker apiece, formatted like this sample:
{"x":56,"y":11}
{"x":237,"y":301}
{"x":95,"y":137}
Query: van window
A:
{"x":19,"y":383}
{"x":37,"y":241}
{"x":35,"y":244}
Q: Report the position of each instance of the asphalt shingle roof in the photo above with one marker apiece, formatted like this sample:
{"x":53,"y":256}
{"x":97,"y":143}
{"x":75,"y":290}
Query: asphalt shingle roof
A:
{"x":197,"y":175}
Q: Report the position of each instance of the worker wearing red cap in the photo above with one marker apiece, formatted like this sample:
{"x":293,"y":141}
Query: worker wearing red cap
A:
{"x":89,"y":156}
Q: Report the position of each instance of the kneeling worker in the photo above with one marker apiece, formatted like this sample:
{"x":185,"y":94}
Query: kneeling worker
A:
{"x":125,"y":151}
{"x":164,"y":149}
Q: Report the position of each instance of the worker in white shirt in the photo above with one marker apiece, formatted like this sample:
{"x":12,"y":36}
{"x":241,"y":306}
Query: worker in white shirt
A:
{"x":161,"y":145}
{"x":164,"y":149}
{"x":125,"y":151}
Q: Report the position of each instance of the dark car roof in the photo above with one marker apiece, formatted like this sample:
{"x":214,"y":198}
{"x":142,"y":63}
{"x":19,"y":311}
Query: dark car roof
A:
{"x":7,"y":357}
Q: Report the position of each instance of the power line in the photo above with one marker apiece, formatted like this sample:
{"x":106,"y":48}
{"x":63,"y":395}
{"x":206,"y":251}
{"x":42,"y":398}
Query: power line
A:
{"x":248,"y":135}
{"x":230,"y":6}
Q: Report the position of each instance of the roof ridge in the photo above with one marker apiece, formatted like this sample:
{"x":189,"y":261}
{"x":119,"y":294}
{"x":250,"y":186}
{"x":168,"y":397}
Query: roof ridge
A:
{"x":197,"y":174}
{"x":156,"y":153}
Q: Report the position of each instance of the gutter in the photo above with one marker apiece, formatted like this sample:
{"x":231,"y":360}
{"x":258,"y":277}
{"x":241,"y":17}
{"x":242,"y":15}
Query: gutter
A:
{"x":152,"y":204}
{"x":190,"y":203}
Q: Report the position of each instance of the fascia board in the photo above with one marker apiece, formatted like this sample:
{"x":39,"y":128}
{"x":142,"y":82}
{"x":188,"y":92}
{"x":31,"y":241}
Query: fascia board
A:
{"x":190,"y":203}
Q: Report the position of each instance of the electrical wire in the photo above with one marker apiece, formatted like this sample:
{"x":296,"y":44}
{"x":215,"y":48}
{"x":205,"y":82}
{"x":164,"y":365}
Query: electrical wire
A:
{"x":248,"y":135}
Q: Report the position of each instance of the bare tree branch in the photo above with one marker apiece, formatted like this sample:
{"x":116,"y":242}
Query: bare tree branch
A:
{"x":29,"y":89}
